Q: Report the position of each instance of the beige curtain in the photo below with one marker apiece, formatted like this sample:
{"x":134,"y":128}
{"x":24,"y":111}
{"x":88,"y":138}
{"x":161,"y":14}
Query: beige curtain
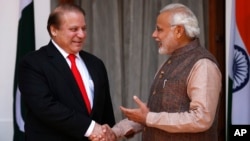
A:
{"x":119,"y":32}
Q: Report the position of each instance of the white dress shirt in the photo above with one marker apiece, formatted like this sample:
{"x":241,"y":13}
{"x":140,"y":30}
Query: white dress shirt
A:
{"x":87,"y":80}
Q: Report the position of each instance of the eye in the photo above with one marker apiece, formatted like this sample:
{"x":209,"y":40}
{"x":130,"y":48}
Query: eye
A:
{"x":73,"y":29}
{"x":84,"y":29}
{"x":158,"y":29}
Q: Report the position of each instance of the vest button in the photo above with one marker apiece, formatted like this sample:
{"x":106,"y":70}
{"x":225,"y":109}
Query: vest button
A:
{"x":161,"y":74}
{"x":169,"y":61}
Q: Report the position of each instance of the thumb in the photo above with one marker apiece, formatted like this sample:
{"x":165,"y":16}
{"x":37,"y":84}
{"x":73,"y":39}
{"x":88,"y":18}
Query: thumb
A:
{"x":138,"y":101}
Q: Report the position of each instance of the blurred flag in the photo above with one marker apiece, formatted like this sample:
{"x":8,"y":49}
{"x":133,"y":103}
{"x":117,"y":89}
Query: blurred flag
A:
{"x":25,"y":44}
{"x":239,"y":53}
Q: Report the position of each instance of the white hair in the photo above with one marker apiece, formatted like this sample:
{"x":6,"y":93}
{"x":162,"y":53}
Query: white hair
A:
{"x":182,"y":15}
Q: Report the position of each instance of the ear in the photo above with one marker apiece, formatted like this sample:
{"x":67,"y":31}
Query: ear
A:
{"x":53,"y":31}
{"x":179,"y":31}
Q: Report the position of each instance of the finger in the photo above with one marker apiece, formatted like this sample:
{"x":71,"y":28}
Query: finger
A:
{"x":93,"y":138}
{"x":138,"y":101}
{"x":125,"y":110}
{"x":104,"y":128}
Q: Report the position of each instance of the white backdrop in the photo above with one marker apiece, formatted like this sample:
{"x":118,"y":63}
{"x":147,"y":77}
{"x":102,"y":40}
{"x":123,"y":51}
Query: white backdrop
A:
{"x":8,"y":38}
{"x":8,"y":25}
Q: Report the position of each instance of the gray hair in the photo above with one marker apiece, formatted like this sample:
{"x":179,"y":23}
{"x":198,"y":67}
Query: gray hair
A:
{"x":182,"y":15}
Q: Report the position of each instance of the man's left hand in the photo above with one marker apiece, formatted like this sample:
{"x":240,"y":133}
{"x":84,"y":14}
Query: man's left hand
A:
{"x":137,"y":115}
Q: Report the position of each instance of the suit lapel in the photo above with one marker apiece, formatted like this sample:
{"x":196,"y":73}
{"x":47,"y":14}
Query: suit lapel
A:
{"x":59,"y":62}
{"x":89,"y":65}
{"x":92,"y":72}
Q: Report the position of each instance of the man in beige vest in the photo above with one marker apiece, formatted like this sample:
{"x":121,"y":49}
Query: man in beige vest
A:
{"x":184,"y":96}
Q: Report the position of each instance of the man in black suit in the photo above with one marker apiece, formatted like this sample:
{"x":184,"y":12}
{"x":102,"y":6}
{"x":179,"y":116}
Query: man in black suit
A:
{"x":56,"y":110}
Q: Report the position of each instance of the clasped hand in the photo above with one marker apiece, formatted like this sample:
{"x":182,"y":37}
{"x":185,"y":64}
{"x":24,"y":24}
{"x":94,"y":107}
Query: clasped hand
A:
{"x":105,"y":133}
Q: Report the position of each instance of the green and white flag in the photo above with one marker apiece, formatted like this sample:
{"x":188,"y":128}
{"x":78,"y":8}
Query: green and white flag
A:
{"x":25,"y":44}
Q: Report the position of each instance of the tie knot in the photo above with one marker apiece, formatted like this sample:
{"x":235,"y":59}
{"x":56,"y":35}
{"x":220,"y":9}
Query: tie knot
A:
{"x":72,"y":57}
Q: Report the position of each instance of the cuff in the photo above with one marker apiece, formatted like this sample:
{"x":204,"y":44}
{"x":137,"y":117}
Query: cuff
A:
{"x":90,"y":129}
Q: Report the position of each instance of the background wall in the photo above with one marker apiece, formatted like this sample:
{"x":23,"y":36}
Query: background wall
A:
{"x":8,"y":23}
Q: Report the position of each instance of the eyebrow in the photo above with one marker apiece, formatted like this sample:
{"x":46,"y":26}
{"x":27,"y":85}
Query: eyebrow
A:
{"x":157,"y":27}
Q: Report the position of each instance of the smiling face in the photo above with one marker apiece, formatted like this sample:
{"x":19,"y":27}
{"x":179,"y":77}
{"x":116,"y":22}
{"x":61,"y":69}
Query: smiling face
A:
{"x":164,"y":34}
{"x":71,"y":33}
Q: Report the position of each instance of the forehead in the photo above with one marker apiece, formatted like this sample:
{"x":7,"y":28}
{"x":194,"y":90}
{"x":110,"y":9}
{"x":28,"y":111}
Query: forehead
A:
{"x":164,"y":17}
{"x":72,"y":17}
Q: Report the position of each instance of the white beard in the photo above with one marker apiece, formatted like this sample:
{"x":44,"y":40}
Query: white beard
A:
{"x":166,"y":45}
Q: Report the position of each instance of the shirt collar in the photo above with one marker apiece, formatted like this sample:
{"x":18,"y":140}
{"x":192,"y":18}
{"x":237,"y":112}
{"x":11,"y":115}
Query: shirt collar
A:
{"x":63,"y":52}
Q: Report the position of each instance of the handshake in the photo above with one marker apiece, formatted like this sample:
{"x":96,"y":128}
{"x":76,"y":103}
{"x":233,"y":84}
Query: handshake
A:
{"x":135,"y":121}
{"x":103,"y":133}
{"x":125,"y":128}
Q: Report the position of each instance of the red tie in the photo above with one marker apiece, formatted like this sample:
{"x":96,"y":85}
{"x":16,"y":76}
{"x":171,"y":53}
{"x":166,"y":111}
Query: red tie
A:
{"x":79,"y":81}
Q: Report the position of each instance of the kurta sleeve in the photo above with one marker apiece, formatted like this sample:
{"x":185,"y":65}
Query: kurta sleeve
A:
{"x":203,"y":89}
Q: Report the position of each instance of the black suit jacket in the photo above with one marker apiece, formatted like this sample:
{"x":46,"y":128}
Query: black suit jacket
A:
{"x":55,"y":108}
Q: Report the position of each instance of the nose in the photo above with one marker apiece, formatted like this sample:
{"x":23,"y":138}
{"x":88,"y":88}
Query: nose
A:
{"x":81,"y":33}
{"x":154,"y":34}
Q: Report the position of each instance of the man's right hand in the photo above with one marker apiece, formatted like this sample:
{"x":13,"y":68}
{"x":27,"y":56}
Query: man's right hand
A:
{"x":102,"y":133}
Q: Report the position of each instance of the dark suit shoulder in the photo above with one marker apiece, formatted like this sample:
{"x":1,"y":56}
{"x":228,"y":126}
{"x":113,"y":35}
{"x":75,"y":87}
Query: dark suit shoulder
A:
{"x":43,"y":52}
{"x":32,"y":56}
